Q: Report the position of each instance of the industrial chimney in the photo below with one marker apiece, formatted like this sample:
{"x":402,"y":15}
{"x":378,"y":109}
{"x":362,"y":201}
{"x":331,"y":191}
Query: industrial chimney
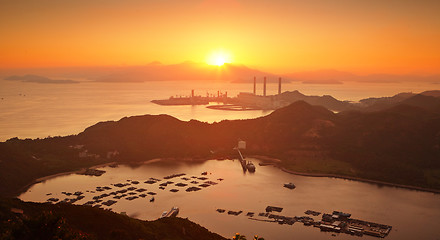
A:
{"x":279,"y":86}
{"x":264,"y":87}
{"x":255,"y":85}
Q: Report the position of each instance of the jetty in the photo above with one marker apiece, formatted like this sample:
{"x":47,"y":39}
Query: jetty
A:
{"x":172,"y":213}
{"x":246,"y":165}
{"x":336,"y":222}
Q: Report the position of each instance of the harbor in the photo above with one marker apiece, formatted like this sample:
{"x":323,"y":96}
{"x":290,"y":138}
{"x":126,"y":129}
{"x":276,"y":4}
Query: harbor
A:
{"x":336,"y":222}
{"x":130,"y":191}
{"x":249,"y":193}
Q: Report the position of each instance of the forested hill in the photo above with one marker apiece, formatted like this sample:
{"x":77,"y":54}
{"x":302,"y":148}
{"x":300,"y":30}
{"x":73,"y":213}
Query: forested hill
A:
{"x":400,"y":144}
{"x":26,"y":220}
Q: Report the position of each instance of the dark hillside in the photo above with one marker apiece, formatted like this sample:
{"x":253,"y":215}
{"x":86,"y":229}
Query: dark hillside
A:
{"x":400,"y":144}
{"x":66,"y":221}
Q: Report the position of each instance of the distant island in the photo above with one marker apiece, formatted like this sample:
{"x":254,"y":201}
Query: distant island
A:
{"x":252,"y":101}
{"x":234,"y":73}
{"x":396,"y":142}
{"x":39,"y":79}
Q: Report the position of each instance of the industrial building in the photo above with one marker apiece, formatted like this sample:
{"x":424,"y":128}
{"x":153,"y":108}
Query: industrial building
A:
{"x":264,"y":101}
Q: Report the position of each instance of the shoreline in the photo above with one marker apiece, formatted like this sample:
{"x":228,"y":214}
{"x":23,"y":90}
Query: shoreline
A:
{"x":48,"y":177}
{"x":267,"y":161}
{"x":377,"y":182}
{"x":42,"y":179}
{"x":275,"y":162}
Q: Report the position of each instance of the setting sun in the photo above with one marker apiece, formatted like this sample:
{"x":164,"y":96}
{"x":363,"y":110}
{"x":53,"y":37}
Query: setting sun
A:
{"x":219,"y":58}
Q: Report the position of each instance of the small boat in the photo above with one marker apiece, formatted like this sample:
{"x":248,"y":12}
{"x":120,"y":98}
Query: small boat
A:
{"x":152,"y":199}
{"x":289,"y":185}
{"x":250,"y":166}
{"x":172,"y":213}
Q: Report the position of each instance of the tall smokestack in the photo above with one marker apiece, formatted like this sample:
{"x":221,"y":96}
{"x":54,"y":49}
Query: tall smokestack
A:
{"x":192,"y":93}
{"x":264,"y":87}
{"x":255,"y":85}
{"x":279,"y":86}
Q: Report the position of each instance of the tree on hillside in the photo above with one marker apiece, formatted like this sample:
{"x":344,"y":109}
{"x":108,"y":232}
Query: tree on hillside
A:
{"x":239,"y":237}
{"x":242,"y":237}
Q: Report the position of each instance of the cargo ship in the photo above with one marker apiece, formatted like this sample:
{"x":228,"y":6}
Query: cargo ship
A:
{"x":182,"y":101}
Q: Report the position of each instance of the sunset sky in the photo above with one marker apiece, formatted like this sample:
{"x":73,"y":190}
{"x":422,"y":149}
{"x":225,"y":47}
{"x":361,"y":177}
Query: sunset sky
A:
{"x":280,"y":36}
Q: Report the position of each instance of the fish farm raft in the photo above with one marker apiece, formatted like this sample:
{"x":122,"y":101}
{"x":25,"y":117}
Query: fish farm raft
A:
{"x":337,"y":222}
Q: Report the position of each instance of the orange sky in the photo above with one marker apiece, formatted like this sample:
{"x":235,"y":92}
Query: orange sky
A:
{"x":280,"y":36}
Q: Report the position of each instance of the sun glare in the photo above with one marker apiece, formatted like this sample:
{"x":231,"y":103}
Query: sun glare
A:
{"x":219,"y":58}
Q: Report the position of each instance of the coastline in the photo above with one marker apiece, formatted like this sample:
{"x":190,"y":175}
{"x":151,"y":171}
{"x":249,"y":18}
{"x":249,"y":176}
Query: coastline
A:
{"x":45,"y":178}
{"x":267,"y":161}
{"x":360,"y":180}
{"x":275,"y":162}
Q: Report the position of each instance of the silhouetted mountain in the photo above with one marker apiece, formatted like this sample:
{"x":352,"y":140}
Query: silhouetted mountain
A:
{"x":335,"y":76}
{"x":326,"y":101}
{"x":395,"y":145}
{"x":425,"y":100}
{"x":432,"y":93}
{"x":322,"y":76}
{"x":376,"y":104}
{"x":400,"y":144}
{"x":185,"y":71}
{"x":156,"y":71}
{"x":39,"y":79}
{"x":386,"y":100}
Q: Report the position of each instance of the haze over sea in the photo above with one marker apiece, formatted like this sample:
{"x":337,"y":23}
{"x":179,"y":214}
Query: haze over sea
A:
{"x":33,"y":110}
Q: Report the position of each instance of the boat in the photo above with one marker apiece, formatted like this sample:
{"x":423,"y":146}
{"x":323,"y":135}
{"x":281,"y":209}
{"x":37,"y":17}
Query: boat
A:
{"x":250,"y":166}
{"x":196,"y":100}
{"x":172,"y":213}
{"x":289,"y":185}
{"x":152,"y":199}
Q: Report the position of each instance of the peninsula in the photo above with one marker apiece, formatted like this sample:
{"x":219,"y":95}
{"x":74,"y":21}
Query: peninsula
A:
{"x":397,"y":145}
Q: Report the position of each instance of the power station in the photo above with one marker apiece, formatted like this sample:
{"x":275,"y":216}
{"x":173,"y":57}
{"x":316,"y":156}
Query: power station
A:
{"x":244,"y":100}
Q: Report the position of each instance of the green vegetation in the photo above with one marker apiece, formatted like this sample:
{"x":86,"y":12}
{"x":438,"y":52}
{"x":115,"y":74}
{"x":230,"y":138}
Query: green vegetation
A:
{"x":23,"y":161}
{"x":66,"y":221}
{"x":238,"y":236}
{"x":397,"y":145}
{"x":322,"y":166}
{"x":432,"y":176}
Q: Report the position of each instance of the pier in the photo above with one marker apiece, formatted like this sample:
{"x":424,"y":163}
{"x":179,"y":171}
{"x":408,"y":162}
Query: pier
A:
{"x":242,"y":160}
{"x":337,"y":222}
{"x":246,"y":165}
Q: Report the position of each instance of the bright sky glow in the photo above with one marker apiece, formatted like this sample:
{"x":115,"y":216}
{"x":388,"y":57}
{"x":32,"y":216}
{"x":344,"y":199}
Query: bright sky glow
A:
{"x":282,"y":36}
{"x":219,"y":57}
